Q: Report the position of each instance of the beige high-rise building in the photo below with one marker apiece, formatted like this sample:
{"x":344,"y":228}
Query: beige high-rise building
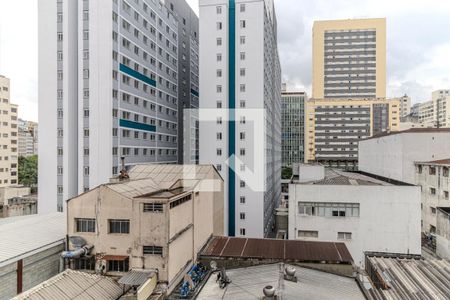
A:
{"x":349,"y":59}
{"x":334,"y":127}
{"x":8,"y":136}
{"x":436,"y":112}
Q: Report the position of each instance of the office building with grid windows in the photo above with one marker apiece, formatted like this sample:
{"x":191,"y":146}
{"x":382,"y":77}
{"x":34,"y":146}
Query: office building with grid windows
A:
{"x":240,"y":76}
{"x":293,"y":127}
{"x":108,"y":88}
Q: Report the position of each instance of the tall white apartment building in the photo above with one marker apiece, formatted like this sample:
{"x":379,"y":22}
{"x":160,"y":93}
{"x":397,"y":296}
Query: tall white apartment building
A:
{"x":108,"y":88}
{"x":8,"y":136}
{"x":240,"y":77}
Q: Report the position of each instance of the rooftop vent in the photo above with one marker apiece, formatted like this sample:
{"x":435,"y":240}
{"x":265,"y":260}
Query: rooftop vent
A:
{"x":289,"y":274}
{"x":269,"y":292}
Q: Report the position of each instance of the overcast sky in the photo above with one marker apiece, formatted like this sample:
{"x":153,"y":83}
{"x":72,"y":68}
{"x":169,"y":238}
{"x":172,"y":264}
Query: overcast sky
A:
{"x":418,"y":33}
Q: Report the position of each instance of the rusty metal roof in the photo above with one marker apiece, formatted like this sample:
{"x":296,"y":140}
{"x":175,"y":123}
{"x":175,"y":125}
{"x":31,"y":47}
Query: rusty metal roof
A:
{"x":436,"y":162}
{"x":278,"y":250}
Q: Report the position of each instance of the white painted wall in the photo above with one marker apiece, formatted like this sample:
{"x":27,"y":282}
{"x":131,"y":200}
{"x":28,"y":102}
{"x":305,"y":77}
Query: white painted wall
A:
{"x":47,"y":163}
{"x":393,"y":156}
{"x":389,"y":218}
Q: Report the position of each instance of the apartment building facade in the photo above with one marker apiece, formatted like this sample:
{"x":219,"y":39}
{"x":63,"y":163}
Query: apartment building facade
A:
{"x":240,"y":95}
{"x":114,"y":87}
{"x":293,"y":127}
{"x":405,"y":106}
{"x":365,"y":213}
{"x":436,"y":112}
{"x":8,"y":136}
{"x":349,"y":59}
{"x":334,"y":127}
{"x":433,"y":177}
{"x":28,"y":138}
{"x":180,"y":207}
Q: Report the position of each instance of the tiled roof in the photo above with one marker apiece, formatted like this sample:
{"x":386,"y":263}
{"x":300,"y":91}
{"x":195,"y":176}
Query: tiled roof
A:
{"x":74,"y":285}
{"x":285,"y":250}
{"x":23,"y":236}
{"x":436,"y":162}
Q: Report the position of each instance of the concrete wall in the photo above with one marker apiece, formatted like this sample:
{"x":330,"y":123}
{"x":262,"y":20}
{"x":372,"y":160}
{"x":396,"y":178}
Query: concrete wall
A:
{"x":389,"y":219}
{"x":393,"y":156}
{"x":36,"y":269}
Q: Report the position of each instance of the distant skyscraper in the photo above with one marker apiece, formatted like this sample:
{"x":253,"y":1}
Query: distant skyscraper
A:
{"x":109,"y":87}
{"x":8,"y":136}
{"x":28,"y":139}
{"x":334,"y":127}
{"x":349,"y":59}
{"x":293,"y":127}
{"x":240,"y":71}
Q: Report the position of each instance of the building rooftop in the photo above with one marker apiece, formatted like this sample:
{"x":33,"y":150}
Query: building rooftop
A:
{"x":408,"y":278}
{"x":338,"y":177}
{"x":412,"y":130}
{"x":74,"y":285}
{"x":160,"y":181}
{"x":248,"y":283}
{"x":436,"y":162}
{"x":286,"y":250}
{"x":28,"y":234}
{"x":445,"y":210}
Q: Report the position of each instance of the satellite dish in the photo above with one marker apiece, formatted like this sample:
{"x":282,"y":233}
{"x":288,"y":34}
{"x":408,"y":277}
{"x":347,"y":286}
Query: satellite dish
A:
{"x":213,"y":265}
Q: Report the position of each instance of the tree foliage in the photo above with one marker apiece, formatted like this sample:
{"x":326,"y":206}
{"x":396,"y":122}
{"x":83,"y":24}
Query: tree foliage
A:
{"x":286,"y":173}
{"x":28,"y":170}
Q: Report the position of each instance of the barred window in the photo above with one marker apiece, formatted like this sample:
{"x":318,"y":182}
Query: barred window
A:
{"x":118,"y":265}
{"x":119,"y":226}
{"x":85,"y":225}
{"x":153,"y":250}
{"x":153,"y":207}
{"x":328,"y":209}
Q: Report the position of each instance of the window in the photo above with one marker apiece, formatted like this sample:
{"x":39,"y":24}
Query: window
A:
{"x":219,"y":89}
{"x":152,"y":250}
{"x":433,"y":210}
{"x":328,"y":209}
{"x":242,"y":216}
{"x":119,"y":226}
{"x":219,"y":136}
{"x":242,"y":88}
{"x":242,"y":40}
{"x":243,"y":24}
{"x":242,"y":184}
{"x":242,"y":151}
{"x":219,"y":152}
{"x":242,"y":104}
{"x":242,"y":55}
{"x":446,"y":195}
{"x":242,"y":136}
{"x":219,"y":167}
{"x":432,"y":170}
{"x":219,"y":41}
{"x":219,"y":73}
{"x":242,"y":72}
{"x":219,"y":120}
{"x":242,"y":200}
{"x":84,"y":263}
{"x":445,"y":172}
{"x":153,"y":207}
{"x":85,"y":225}
{"x":242,"y":231}
{"x":344,"y":236}
{"x":219,"y":104}
{"x":219,"y":56}
{"x":219,"y":10}
{"x":419,"y":169}
{"x":219,"y":25}
{"x":118,"y":265}
{"x":308,"y":234}
{"x":180,"y":201}
{"x":432,"y":191}
{"x":242,"y":8}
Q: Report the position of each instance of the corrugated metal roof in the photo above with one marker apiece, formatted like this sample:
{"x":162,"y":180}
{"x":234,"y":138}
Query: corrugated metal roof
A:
{"x":410,"y":278}
{"x":135,"y":188}
{"x":74,"y":285}
{"x":162,"y":173}
{"x":136,"y":277}
{"x":248,"y":284}
{"x":288,"y":250}
{"x":23,"y":236}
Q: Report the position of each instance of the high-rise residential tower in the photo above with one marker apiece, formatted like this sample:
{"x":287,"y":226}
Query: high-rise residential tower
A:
{"x":108,"y":88}
{"x":240,"y":90}
{"x":293,"y":127}
{"x":8,"y":136}
{"x":349,"y":59}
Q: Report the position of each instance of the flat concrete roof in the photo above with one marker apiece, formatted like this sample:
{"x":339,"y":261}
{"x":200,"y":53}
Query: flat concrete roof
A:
{"x":248,"y":283}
